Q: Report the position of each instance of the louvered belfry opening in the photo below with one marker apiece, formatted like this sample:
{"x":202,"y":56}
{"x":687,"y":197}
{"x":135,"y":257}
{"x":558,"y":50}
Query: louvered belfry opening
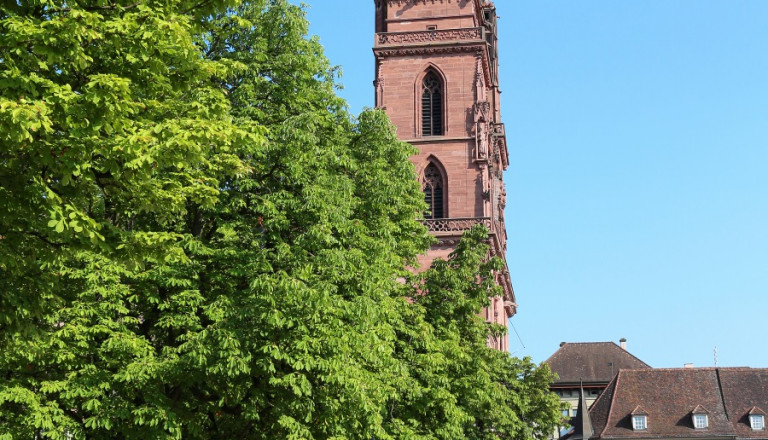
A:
{"x":433,"y":192}
{"x":432,"y":105}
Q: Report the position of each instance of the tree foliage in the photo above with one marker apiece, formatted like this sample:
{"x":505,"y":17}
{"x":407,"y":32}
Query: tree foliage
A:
{"x":197,"y":241}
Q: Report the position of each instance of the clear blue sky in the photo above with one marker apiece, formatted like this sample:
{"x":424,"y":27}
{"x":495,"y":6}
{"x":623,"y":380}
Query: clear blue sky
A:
{"x":638,"y":134}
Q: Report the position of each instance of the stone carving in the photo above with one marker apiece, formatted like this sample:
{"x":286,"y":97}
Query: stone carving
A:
{"x":479,"y":84}
{"x":482,"y":135}
{"x":482,"y":111}
{"x":456,"y":224}
{"x":482,"y":140}
{"x":379,"y":84}
{"x":486,"y":182}
{"x":447,"y":242}
{"x":412,"y":2}
{"x":430,"y":36}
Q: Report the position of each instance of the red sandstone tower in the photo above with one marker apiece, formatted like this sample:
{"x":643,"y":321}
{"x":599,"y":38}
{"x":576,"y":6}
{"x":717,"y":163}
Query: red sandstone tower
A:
{"x":437,"y":79}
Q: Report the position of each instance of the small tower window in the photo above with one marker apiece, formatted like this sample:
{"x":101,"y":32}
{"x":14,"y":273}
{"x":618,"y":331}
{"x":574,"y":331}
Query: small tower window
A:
{"x":433,"y":192}
{"x":432,"y":105}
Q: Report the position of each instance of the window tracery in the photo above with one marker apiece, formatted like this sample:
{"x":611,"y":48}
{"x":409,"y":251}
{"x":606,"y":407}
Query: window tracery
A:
{"x":432,"y":105}
{"x":433,"y":192}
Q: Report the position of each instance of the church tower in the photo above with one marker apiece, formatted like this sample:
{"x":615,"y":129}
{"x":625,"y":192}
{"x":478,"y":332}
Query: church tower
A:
{"x":437,"y":79}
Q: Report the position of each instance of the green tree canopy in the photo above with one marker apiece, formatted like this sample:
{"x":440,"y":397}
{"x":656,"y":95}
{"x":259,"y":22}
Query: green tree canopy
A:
{"x":197,"y":241}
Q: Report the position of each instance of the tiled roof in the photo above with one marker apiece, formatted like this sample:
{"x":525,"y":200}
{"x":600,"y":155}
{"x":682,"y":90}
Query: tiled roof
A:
{"x":591,"y":362}
{"x":671,"y":396}
{"x":743,"y":390}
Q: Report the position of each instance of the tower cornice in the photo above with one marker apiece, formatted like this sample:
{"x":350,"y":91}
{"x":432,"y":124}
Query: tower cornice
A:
{"x":479,"y":48}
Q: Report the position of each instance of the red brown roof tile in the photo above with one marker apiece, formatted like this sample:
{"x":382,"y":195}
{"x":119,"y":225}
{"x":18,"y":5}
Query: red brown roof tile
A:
{"x":591,"y":362}
{"x":744,"y":389}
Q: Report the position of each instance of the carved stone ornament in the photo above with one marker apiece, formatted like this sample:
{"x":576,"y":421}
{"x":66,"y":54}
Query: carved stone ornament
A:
{"x":470,"y":34}
{"x":415,"y":2}
{"x":481,"y":140}
{"x":456,"y":224}
{"x":479,"y":84}
{"x":447,"y":242}
{"x":495,"y":147}
{"x":482,"y":111}
{"x":379,"y":84}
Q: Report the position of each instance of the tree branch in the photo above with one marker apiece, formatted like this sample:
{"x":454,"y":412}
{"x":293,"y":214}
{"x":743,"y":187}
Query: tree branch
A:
{"x":111,"y":7}
{"x":198,"y":5}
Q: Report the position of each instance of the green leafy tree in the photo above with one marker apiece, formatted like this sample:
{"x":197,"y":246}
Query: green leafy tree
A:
{"x":197,"y":241}
{"x":459,"y":388}
{"x":111,"y":129}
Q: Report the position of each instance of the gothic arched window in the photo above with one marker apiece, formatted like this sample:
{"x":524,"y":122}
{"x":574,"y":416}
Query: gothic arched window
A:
{"x":433,"y":192}
{"x":432,"y":105}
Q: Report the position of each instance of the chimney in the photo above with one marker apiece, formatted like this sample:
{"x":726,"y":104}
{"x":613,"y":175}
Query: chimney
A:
{"x":562,"y":343}
{"x":689,"y":365}
{"x":623,"y":343}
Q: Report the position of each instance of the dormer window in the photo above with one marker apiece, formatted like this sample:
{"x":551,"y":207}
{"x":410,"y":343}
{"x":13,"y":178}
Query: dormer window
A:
{"x":756,"y":419}
{"x":639,"y":419}
{"x":700,"y":417}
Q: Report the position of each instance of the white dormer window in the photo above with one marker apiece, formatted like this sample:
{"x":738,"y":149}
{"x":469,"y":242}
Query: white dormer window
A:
{"x":700,"y":421}
{"x":640,"y":422}
{"x":757,"y":422}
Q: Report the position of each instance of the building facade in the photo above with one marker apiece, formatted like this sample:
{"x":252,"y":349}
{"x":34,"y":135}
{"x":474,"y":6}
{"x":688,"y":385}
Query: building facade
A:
{"x":437,"y":80}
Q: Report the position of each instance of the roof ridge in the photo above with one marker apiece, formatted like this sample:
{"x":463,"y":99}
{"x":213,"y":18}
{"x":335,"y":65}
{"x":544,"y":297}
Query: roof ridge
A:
{"x":613,"y":344}
{"x":678,"y":369}
{"x":636,"y":358}
{"x":711,"y":368}
{"x":721,"y":394}
{"x":701,"y":409}
{"x":595,"y":342}
{"x":613,"y":399}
